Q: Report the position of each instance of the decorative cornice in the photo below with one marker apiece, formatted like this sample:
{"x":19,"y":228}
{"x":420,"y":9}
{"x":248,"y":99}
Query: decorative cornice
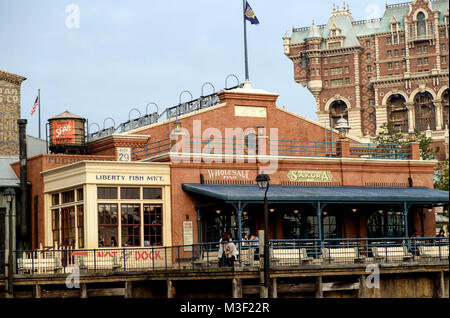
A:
{"x":12,"y":78}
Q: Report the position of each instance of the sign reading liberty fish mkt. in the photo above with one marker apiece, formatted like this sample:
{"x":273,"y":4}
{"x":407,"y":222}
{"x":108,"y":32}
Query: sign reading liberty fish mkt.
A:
{"x":310,"y":176}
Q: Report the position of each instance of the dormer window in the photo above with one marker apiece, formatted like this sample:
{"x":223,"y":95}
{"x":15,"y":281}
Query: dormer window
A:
{"x":335,"y":31}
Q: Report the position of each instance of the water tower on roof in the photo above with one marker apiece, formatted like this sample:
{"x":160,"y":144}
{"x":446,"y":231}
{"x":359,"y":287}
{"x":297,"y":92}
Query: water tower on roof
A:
{"x":67,"y":134}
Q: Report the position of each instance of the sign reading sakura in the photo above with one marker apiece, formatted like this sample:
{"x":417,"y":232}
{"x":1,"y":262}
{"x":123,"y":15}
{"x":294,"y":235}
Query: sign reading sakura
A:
{"x":63,"y":131}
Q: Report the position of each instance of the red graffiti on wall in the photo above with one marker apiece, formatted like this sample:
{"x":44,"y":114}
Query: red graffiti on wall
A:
{"x":144,"y":255}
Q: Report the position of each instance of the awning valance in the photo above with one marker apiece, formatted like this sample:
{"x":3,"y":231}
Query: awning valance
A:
{"x":299,"y":194}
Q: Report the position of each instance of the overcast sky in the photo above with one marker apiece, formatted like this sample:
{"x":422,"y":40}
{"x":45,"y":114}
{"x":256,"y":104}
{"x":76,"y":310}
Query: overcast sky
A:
{"x":125,"y":54}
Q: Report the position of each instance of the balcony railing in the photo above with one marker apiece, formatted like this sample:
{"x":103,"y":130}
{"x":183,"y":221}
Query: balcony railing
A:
{"x":289,"y":148}
{"x":283,"y":253}
{"x":380,"y":151}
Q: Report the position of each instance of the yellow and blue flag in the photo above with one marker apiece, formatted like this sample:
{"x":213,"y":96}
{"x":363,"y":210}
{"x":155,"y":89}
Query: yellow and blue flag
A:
{"x":249,"y":14}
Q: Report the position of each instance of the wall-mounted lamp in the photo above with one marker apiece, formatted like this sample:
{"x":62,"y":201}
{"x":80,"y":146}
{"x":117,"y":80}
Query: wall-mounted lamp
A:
{"x":245,"y":213}
{"x":380,"y":211}
{"x":324,"y":212}
{"x":218,"y":211}
{"x":430,"y":209}
{"x":354,"y":210}
{"x":295,"y":211}
{"x":271,"y":210}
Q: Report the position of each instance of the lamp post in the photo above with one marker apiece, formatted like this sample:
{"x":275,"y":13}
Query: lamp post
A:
{"x":9,"y":195}
{"x":263,"y":183}
{"x":343,"y":128}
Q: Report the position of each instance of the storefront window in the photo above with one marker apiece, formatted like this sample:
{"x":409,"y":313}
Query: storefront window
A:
{"x":107,"y":225}
{"x":55,"y":199}
{"x":292,"y":226}
{"x":68,"y":226}
{"x":68,"y":196}
{"x":80,"y":195}
{"x":388,"y":224}
{"x":152,"y":193}
{"x":106,"y":193}
{"x":80,"y":226}
{"x":152,"y":225}
{"x":55,"y":226}
{"x":130,"y":193}
{"x":131,"y":220}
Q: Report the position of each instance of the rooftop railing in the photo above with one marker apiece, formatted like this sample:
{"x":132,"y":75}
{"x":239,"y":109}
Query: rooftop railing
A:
{"x":283,"y":254}
{"x":273,"y":147}
{"x":380,"y":151}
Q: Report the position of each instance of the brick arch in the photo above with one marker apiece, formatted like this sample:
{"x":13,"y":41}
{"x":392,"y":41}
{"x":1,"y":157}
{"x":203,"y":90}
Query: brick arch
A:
{"x":390,"y":93}
{"x":416,"y":13}
{"x":337,"y":99}
{"x":441,"y":91}
{"x":418,"y":90}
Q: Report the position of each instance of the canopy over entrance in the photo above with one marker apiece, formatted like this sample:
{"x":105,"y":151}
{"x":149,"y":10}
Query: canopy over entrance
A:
{"x":293,"y":194}
{"x":241,"y":196}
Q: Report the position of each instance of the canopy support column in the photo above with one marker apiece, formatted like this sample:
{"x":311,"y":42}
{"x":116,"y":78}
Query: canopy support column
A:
{"x":319,"y":208}
{"x":405,"y":218}
{"x":239,"y":207}
{"x":199,"y":226}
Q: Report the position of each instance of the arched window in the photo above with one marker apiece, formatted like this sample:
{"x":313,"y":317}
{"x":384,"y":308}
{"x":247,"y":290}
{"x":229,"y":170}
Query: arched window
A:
{"x":338,"y":109}
{"x":421,"y":24}
{"x":445,"y":103}
{"x":425,"y":111}
{"x":397,"y":112}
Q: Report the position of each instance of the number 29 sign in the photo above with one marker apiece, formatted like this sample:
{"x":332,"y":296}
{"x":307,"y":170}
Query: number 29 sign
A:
{"x":124,"y":154}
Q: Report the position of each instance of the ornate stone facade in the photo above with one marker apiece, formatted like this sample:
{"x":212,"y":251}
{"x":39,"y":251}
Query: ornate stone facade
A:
{"x":392,"y":69}
{"x":9,"y":112}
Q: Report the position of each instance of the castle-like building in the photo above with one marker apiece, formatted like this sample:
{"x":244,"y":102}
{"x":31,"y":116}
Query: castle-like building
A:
{"x":392,"y":69}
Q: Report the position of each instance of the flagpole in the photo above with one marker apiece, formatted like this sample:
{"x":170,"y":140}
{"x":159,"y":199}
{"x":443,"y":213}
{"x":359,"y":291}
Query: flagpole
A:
{"x":245,"y":40}
{"x":39,"y":109}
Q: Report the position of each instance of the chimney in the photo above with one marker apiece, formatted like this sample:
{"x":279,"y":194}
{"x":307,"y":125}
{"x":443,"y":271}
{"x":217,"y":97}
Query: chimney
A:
{"x":23,"y":175}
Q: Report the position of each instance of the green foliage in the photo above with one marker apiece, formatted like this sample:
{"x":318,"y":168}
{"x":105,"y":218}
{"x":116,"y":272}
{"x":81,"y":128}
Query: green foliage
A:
{"x":441,"y":176}
{"x":426,"y":151}
{"x":390,"y":135}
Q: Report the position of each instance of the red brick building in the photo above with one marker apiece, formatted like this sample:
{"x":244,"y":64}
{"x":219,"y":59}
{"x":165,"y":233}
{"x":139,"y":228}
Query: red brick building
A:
{"x":392,"y":69}
{"x":203,"y":161}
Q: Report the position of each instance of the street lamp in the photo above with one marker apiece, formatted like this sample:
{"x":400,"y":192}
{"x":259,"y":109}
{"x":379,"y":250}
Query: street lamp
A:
{"x":263,"y":183}
{"x":9,"y":195}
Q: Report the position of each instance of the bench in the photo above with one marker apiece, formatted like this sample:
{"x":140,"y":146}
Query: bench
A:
{"x":342,"y":255}
{"x":38,"y":265}
{"x":391,"y":254}
{"x":208,"y":258}
{"x":290,"y":257}
{"x":436,"y":252}
{"x":111,"y":263}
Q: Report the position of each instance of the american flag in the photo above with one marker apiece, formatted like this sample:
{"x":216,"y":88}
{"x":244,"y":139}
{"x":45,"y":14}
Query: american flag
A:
{"x":36,"y":103}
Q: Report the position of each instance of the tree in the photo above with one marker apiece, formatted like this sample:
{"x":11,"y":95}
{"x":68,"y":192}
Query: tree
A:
{"x":389,"y":135}
{"x":426,"y":150}
{"x":441,"y":176}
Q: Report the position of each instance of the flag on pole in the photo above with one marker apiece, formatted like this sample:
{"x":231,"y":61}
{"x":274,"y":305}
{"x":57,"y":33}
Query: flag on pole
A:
{"x":249,"y":14}
{"x":36,"y":103}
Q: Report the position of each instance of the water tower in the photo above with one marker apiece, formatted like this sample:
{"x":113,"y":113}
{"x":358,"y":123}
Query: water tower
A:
{"x":66,"y":133}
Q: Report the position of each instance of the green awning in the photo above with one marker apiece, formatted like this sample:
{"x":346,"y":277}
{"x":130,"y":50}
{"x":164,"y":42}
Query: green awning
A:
{"x":297,"y":194}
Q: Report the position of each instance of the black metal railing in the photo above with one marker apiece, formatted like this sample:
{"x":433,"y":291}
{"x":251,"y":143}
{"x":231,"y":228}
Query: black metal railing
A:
{"x":283,"y":253}
{"x":351,"y":251}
